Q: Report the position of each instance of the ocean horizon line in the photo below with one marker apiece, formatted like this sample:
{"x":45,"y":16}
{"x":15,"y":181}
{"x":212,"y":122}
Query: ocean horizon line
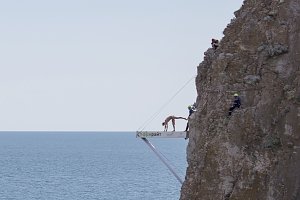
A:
{"x":63,"y":131}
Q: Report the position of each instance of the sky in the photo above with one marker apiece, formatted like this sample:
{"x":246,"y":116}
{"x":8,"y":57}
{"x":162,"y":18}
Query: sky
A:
{"x":95,"y":65}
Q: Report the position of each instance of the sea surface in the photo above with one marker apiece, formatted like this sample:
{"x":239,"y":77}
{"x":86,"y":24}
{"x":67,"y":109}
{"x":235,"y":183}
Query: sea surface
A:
{"x":88,"y":165}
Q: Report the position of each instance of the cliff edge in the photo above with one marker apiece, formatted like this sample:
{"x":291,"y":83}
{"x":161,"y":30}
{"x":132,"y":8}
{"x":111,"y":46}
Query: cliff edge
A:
{"x":254,"y":153}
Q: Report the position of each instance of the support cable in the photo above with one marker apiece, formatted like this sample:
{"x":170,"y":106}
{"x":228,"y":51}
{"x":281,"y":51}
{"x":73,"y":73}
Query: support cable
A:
{"x":162,"y":159}
{"x":174,"y":166}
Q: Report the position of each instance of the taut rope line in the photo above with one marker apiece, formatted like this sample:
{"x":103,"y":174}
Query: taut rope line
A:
{"x":146,"y":123}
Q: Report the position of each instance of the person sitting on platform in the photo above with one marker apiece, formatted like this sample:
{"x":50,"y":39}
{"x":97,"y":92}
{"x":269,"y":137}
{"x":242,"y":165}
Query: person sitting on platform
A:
{"x":171,"y":118}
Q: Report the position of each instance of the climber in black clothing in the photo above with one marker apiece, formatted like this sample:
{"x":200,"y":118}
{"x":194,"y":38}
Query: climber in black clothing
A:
{"x":214,"y":43}
{"x":236,"y":103}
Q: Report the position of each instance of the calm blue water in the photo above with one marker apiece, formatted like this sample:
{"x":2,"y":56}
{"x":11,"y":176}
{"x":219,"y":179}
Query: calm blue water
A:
{"x":70,"y":166}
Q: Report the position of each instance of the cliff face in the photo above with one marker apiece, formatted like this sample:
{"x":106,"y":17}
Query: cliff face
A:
{"x":255,"y":153}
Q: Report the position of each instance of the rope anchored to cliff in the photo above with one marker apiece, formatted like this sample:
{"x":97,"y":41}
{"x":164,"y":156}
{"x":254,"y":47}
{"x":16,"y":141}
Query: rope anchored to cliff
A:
{"x":147,"y":122}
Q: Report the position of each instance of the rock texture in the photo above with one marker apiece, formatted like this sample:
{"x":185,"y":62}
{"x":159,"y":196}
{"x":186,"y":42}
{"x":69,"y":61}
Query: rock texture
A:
{"x":254,"y":154}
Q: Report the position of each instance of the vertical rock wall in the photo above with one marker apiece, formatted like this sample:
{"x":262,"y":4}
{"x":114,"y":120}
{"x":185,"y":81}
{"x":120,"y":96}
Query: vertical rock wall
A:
{"x":254,"y":154}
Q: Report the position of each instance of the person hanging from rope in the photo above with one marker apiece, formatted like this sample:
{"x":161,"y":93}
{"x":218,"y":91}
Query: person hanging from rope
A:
{"x":192,"y":109}
{"x":236,"y":104}
{"x":171,"y":118}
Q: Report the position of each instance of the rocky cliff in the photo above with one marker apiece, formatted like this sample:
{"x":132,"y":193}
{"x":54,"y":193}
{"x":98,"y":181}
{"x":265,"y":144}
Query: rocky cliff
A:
{"x":255,"y":153}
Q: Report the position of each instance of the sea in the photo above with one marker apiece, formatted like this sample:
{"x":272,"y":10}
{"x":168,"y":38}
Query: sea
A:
{"x":88,"y":166}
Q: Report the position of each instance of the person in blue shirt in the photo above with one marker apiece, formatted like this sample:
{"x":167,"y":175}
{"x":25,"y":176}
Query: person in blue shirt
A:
{"x":236,"y":104}
{"x":192,"y":109}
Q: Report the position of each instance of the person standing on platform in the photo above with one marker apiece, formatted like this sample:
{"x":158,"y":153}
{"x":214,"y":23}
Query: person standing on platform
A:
{"x":192,"y":109}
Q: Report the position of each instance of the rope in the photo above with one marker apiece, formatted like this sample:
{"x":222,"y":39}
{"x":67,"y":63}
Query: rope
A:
{"x":146,"y":123}
{"x":173,"y":165}
{"x":162,"y":159}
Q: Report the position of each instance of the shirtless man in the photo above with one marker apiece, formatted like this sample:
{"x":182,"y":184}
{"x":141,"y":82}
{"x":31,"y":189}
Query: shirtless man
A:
{"x":165,"y":123}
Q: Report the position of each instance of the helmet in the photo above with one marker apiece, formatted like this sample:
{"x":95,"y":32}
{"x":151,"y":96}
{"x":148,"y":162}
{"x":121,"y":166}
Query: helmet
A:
{"x":236,"y":95}
{"x":191,"y":107}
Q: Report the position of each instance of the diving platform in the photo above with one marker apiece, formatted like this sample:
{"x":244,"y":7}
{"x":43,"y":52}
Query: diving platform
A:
{"x":161,"y":134}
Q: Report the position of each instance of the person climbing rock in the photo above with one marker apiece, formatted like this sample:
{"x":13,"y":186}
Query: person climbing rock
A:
{"x":192,"y":109}
{"x":214,"y":43}
{"x":236,"y":103}
{"x":171,"y":118}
